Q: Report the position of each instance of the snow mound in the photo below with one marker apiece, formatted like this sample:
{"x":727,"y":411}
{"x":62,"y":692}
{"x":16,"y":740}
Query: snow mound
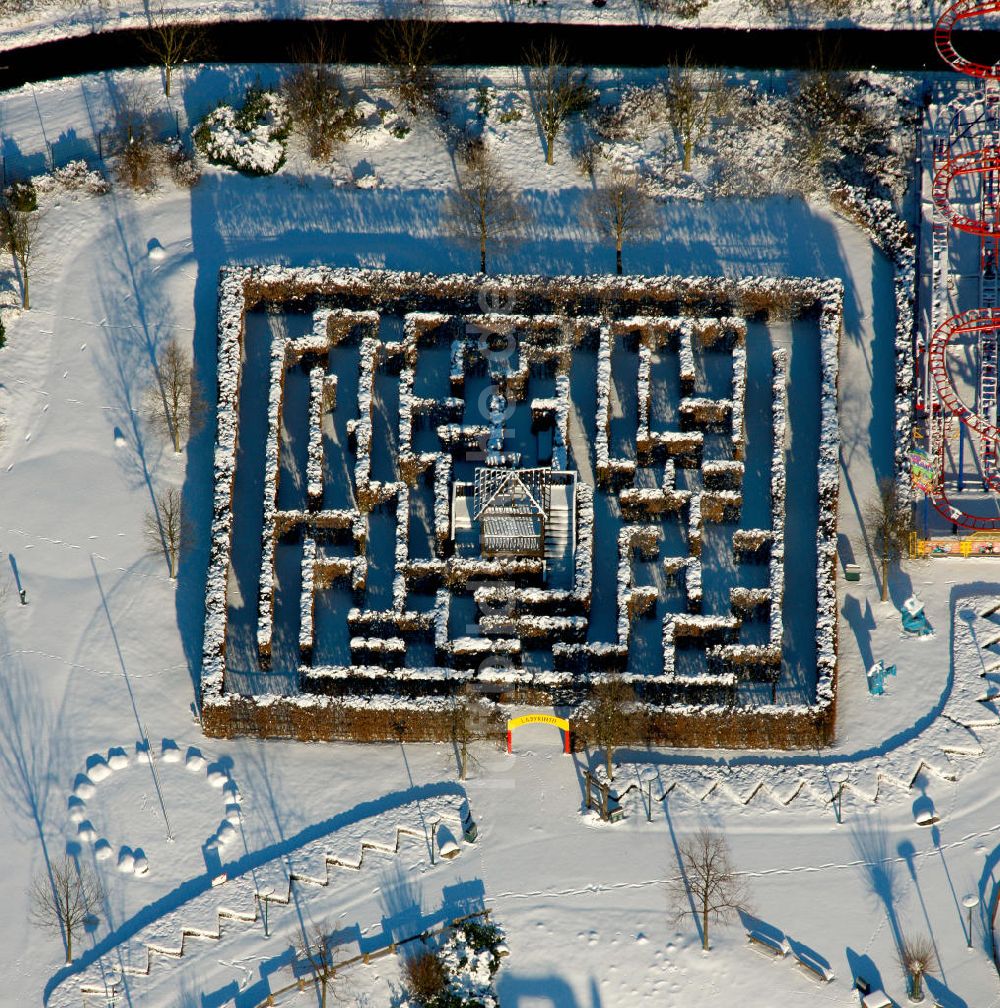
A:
{"x":117,"y":758}
{"x":85,"y":832}
{"x":84,"y":787}
{"x":195,"y":762}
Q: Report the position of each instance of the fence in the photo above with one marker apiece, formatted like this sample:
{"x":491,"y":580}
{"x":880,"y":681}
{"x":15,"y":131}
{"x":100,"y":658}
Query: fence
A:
{"x":977,"y":544}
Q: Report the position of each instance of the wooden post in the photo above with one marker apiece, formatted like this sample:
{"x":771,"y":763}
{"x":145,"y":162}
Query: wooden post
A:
{"x":605,"y":792}
{"x":586,"y":784}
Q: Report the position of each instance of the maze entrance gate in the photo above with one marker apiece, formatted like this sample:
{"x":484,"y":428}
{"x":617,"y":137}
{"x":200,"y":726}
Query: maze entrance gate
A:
{"x":561,"y":723}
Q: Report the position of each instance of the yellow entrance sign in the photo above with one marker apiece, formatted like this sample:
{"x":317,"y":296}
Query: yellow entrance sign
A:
{"x":557,"y":722}
{"x":551,"y":719}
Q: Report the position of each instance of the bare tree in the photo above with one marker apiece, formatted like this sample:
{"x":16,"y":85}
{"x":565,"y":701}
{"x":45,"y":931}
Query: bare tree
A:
{"x":164,"y":527}
{"x":557,"y":90}
{"x":917,"y":957}
{"x":172,"y":43}
{"x":406,"y":45}
{"x":695,"y":99}
{"x":483,"y":206}
{"x":613,"y":702}
{"x":707,"y":883}
{"x":471,"y":721}
{"x":133,"y":141}
{"x":315,"y":947}
{"x":63,"y":898}
{"x":321,"y":109}
{"x":19,"y":229}
{"x":620,"y":210}
{"x":888,"y":522}
{"x":174,"y":404}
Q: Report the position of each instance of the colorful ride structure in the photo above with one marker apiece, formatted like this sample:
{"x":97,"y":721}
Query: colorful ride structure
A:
{"x":957,"y":366}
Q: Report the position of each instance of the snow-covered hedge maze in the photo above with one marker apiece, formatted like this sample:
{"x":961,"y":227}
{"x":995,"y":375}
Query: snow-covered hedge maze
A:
{"x":660,"y":562}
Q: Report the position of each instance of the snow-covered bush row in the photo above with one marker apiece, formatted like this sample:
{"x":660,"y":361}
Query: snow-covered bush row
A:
{"x":747,"y":599}
{"x":442,"y":501}
{"x":307,"y":600}
{"x":463,"y":569}
{"x":700,"y":412}
{"x":695,"y":525}
{"x":603,"y":412}
{"x":776,"y":562}
{"x":314,"y":466}
{"x":534,"y":625}
{"x":722,"y":474}
{"x":462,"y":436}
{"x":407,"y":375}
{"x":252,"y":139}
{"x":441,"y":614}
{"x":583,"y":560}
{"x":643,"y":394}
{"x":831,"y":326}
{"x":685,"y":351}
{"x":739,"y":399}
{"x":402,"y":546}
{"x":379,"y":645}
{"x":366,"y":403}
{"x":751,"y":540}
{"x":375,"y":620}
{"x":692,"y":584}
{"x":272,"y":472}
{"x":639,"y":501}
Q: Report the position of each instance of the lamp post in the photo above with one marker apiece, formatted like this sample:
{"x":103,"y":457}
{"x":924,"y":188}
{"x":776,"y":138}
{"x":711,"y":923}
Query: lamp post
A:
{"x":970,"y":903}
{"x":649,"y":775}
{"x":263,"y":896}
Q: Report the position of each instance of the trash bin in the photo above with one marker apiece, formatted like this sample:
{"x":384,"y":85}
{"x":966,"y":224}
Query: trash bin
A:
{"x":852,"y":572}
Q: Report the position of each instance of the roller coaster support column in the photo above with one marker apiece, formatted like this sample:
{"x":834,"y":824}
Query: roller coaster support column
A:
{"x":961,"y":457}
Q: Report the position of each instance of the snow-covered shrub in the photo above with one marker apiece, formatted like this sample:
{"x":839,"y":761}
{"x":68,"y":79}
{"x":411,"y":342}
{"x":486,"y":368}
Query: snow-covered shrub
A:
{"x":179,"y":163}
{"x":252,"y":139}
{"x":74,"y":176}
{"x":463,"y":969}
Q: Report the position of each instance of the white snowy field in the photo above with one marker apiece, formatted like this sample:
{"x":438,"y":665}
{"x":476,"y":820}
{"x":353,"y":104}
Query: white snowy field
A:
{"x":105,"y":651}
{"x":45,"y":20}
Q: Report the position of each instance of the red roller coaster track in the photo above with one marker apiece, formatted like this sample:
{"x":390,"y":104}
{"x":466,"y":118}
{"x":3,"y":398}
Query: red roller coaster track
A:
{"x":978,"y":322}
{"x":951,"y":17}
{"x":980,"y":162}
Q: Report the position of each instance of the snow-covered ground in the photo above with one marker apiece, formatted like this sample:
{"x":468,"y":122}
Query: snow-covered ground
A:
{"x":106,"y":650}
{"x":43,"y":20}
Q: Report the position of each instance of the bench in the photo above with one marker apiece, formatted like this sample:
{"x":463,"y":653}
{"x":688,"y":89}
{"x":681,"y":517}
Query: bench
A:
{"x":766,"y":945}
{"x":812,"y":969}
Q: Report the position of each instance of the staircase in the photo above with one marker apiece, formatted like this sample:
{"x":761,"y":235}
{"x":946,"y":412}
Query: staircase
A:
{"x":559,"y":537}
